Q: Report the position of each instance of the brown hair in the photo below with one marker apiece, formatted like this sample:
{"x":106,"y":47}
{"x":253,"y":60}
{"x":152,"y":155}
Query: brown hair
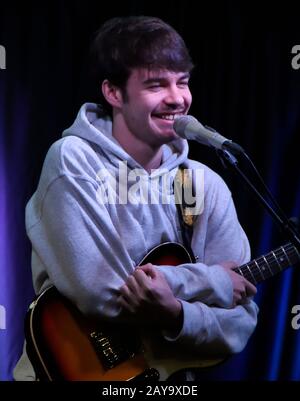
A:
{"x":122,"y":44}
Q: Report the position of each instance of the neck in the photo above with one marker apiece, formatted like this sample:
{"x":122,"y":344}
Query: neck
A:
{"x":149,"y":157}
{"x":270,"y":264}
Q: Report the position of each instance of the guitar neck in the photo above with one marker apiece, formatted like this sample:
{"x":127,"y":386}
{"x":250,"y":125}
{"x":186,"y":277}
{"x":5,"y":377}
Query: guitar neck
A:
{"x":268,"y":265}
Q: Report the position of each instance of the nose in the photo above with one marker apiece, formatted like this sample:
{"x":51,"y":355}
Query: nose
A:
{"x":174,"y":97}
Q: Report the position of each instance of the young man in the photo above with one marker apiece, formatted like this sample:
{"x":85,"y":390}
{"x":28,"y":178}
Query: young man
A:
{"x":105,"y":199}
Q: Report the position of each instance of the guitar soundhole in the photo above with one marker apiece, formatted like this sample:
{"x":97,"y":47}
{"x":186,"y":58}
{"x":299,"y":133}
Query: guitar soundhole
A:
{"x":114,"y":347}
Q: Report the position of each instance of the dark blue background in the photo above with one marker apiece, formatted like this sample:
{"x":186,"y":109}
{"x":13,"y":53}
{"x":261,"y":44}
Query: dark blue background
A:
{"x":243,"y":85}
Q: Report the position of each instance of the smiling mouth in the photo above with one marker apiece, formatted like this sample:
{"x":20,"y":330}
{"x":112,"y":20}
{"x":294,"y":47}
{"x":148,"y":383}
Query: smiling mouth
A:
{"x":168,"y":117}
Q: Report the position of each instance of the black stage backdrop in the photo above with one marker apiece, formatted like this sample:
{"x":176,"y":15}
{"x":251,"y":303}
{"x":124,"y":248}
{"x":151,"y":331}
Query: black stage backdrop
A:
{"x":244,"y":85}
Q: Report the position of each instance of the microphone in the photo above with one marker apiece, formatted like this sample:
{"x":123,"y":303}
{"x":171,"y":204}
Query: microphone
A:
{"x":188,"y":127}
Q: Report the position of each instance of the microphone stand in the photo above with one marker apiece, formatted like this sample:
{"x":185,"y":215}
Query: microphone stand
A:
{"x":286,"y":225}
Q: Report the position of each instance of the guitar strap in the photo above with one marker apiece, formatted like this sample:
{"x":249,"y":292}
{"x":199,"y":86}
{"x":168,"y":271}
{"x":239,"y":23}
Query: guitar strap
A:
{"x":182,"y":185}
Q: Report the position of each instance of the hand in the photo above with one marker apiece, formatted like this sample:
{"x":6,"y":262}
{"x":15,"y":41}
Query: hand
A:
{"x":242,"y":288}
{"x":147,"y":295}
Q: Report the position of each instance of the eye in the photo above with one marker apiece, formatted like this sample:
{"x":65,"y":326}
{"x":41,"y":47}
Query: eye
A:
{"x":183,"y":84}
{"x":155,"y":87}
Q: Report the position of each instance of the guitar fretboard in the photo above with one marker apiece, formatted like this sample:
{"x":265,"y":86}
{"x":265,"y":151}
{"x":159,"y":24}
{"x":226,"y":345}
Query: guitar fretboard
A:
{"x":270,"y":264}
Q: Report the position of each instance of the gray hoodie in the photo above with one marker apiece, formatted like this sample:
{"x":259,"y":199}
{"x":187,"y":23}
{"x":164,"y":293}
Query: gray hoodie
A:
{"x":87,"y":244}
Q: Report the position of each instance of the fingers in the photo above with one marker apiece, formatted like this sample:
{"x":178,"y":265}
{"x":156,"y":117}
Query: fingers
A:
{"x":139,"y":279}
{"x":243,"y":291}
{"x":250,"y":289}
{"x":125,"y":304}
{"x":132,"y":284}
{"x":126,"y":300}
{"x":146,"y":289}
{"x":142,"y":277}
{"x":228,"y":264}
{"x":148,"y":269}
{"x":242,"y":288}
{"x":136,"y":290}
{"x":131,"y":294}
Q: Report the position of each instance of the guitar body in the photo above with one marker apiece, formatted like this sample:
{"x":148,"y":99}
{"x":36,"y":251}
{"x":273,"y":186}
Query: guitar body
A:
{"x":62,"y":344}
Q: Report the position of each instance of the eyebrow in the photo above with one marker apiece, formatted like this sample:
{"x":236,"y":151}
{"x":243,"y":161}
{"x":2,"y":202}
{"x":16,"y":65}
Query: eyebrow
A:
{"x":162,"y":78}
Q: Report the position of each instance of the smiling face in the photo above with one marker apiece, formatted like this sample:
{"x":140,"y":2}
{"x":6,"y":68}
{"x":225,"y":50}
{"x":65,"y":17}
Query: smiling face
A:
{"x":145,"y":110}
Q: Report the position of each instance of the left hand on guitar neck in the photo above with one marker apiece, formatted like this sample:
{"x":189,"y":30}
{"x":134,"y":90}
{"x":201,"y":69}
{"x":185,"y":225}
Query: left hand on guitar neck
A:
{"x":147,"y":295}
{"x":242,"y":288}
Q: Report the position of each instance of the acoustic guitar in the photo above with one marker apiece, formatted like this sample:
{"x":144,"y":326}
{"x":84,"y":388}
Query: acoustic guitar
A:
{"x":62,"y":344}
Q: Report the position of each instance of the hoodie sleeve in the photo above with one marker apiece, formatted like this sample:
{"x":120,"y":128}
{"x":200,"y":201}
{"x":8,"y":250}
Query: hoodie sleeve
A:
{"x":210,"y":324}
{"x":216,"y":331}
{"x":75,"y":242}
{"x":199,"y":282}
{"x":224,"y":240}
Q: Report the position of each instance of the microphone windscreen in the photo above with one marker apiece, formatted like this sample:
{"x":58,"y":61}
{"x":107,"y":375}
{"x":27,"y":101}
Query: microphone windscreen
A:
{"x":181,"y":123}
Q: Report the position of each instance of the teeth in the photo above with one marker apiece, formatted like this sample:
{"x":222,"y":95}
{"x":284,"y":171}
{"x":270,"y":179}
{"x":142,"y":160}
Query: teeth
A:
{"x":170,"y":116}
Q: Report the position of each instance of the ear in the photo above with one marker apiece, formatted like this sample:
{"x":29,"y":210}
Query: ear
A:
{"x":112,"y":94}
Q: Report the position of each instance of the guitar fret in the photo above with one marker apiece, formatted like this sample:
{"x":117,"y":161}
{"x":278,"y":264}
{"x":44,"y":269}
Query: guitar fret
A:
{"x":286,"y":255}
{"x":282,"y":259}
{"x":276,"y":259}
{"x":255,"y":281}
{"x":272,"y":264}
{"x":240,"y":271}
{"x":258,"y":271}
{"x":267,"y":263}
{"x":261,"y":270}
{"x":265,"y":266}
{"x":295,"y":249}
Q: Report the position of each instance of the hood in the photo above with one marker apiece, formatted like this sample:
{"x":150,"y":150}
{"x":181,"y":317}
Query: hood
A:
{"x":92,"y":125}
